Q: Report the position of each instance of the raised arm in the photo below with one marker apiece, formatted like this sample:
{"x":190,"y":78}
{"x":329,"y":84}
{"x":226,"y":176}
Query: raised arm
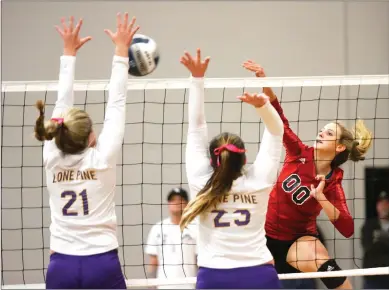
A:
{"x":264,"y":168}
{"x":112,"y":134}
{"x":292,"y":143}
{"x":65,"y":98}
{"x":198,"y":168}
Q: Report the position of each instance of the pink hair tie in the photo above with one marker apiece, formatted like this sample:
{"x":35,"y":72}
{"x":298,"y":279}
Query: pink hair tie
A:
{"x":58,"y":120}
{"x":229,"y":147}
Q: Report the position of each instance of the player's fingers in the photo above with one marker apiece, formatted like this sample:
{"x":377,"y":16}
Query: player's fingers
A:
{"x":78,"y":26}
{"x":188,"y":56}
{"x":71,"y":23}
{"x":118,"y":20}
{"x":249,"y":67}
{"x":125,"y":20}
{"x":185,"y":64}
{"x":185,"y":57}
{"x":183,"y":60}
{"x":135,"y":30}
{"x":64,"y":26}
{"x":109,"y":33}
{"x":59,"y":30}
{"x":248,"y":95}
{"x":206,"y":61}
{"x":131,"y":24}
{"x":242,"y":98}
{"x":198,"y":54}
{"x":85,"y":40}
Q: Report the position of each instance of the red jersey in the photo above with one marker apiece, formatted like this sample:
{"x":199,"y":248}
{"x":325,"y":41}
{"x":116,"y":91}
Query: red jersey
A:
{"x":292,"y":212}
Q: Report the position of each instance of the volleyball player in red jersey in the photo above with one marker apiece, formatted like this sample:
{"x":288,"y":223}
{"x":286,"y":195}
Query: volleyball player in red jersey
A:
{"x":310,"y":181}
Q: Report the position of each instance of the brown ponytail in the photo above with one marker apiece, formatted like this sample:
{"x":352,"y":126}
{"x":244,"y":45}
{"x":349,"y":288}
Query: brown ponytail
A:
{"x":227,"y":167}
{"x":45,"y":130}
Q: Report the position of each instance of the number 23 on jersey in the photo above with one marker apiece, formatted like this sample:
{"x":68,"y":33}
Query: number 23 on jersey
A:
{"x":243,"y":220}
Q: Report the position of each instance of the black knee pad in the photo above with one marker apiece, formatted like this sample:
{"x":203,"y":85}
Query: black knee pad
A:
{"x":332,"y":282}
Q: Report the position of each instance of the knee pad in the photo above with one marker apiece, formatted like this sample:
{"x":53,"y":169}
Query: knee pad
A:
{"x":333,"y":282}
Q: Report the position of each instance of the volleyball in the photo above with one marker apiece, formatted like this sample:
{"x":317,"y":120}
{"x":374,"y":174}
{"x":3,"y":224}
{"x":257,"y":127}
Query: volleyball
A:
{"x":143,"y":55}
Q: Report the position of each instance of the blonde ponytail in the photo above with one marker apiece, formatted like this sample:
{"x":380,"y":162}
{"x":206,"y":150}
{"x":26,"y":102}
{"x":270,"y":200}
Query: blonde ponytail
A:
{"x":362,"y":141}
{"x":357,"y":142}
{"x":71,"y":133}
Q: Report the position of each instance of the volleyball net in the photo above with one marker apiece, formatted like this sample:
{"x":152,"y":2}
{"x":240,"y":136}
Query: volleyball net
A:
{"x":152,"y":160}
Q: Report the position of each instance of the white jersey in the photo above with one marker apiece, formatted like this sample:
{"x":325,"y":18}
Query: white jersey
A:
{"x":175,"y":251}
{"x":233,"y":235}
{"x":82,"y":186}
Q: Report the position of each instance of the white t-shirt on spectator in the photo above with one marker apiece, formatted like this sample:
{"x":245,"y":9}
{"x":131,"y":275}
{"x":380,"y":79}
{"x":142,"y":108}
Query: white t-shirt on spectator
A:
{"x":175,"y":251}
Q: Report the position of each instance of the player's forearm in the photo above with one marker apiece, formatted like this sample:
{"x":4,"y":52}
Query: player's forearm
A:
{"x":111,"y":137}
{"x":65,"y":97}
{"x":269,"y":92}
{"x":271,"y":119}
{"x":196,"y":113}
{"x":196,"y":157}
{"x":344,"y":224}
{"x":330,"y":210}
{"x":118,"y":81}
{"x":342,"y":221}
{"x":292,"y":142}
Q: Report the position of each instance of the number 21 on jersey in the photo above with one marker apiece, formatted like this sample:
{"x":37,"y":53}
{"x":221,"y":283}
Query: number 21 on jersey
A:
{"x":72,"y":198}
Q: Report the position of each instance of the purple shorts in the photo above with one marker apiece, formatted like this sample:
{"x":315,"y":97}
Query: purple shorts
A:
{"x":256,"y":277}
{"x":101,"y":271}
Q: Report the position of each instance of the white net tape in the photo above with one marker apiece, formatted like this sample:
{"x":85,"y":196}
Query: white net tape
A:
{"x":136,"y":283}
{"x":213,"y":83}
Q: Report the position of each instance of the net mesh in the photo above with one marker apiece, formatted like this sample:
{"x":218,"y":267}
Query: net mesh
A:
{"x":152,"y":157}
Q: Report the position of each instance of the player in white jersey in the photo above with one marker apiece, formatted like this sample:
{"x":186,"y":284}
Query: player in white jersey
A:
{"x":172,"y":254}
{"x":81,"y":171}
{"x":230,"y":202}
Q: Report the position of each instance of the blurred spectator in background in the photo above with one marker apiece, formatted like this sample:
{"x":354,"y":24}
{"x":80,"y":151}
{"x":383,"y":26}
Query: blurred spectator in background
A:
{"x":375,"y":243}
{"x":304,"y":283}
{"x":172,"y":254}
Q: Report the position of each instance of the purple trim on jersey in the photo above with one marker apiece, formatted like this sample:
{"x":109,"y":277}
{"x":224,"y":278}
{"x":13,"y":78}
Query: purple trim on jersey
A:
{"x":101,"y":271}
{"x":256,"y":277}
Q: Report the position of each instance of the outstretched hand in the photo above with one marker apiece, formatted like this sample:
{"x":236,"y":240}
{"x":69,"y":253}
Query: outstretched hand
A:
{"x":69,"y":34}
{"x":197,"y":67}
{"x":256,"y":100}
{"x":124,"y":31}
{"x":254,"y":67}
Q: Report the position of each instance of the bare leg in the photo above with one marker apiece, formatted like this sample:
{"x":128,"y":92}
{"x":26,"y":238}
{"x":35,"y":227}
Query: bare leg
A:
{"x":307,"y":254}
